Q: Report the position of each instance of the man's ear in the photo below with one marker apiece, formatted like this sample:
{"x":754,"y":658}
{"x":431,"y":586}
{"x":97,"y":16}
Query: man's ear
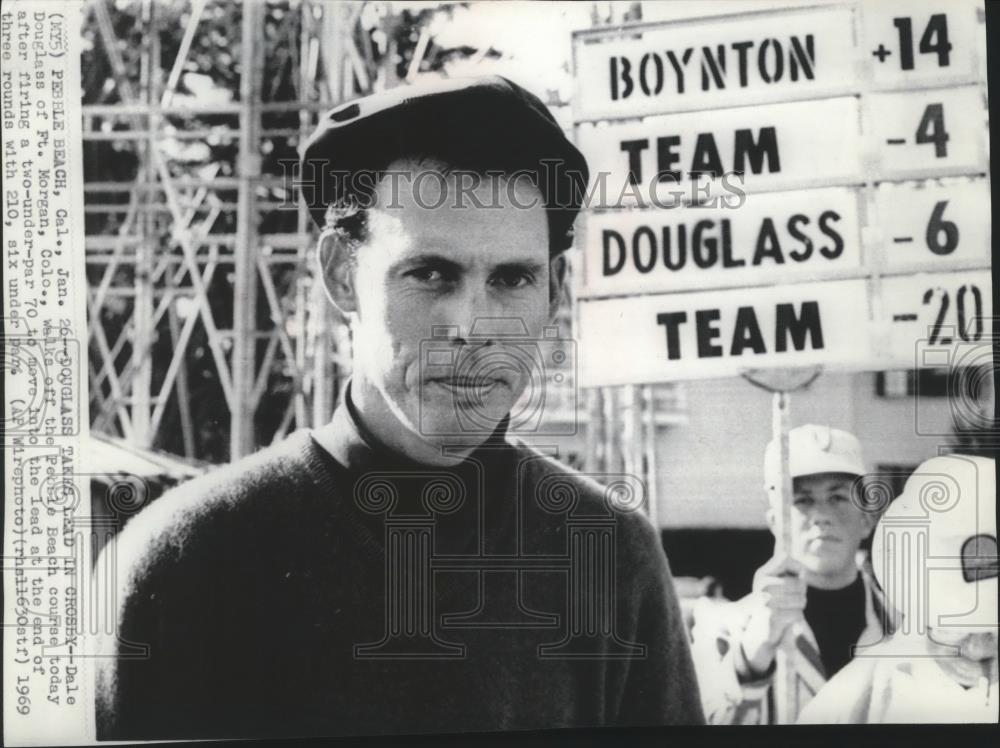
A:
{"x":335,"y":256}
{"x":557,"y":282}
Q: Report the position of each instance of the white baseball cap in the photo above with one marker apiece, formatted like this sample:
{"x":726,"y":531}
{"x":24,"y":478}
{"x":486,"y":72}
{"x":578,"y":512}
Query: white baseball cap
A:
{"x":813,"y":450}
{"x":935,"y":546}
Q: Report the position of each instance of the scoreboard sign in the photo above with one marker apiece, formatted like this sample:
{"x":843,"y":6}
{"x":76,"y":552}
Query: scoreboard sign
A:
{"x":793,"y":234}
{"x":937,"y":311}
{"x":783,"y":188}
{"x":773,"y":147}
{"x":723,"y":62}
{"x":923,"y":43}
{"x":791,"y":53}
{"x":724,"y":332}
{"x":934,"y":225}
{"x":929,"y":132}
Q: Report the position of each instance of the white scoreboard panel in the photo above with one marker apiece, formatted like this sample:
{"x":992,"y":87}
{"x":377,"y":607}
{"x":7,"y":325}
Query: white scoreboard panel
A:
{"x":756,"y":175}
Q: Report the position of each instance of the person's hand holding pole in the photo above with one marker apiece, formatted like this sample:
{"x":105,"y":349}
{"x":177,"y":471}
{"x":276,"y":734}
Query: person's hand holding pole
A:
{"x":779,"y":598}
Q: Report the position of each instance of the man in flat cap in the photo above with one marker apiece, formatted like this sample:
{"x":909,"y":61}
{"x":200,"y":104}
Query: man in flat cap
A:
{"x":412,"y":566}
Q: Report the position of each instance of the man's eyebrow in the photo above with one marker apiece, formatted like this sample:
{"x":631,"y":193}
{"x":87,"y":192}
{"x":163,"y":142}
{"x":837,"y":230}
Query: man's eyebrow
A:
{"x":440,"y":261}
{"x":430,"y":258}
{"x":531,"y":266}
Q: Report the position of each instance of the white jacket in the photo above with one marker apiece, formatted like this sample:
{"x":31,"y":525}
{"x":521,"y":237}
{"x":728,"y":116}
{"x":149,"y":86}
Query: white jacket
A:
{"x":892,"y":685}
{"x":717,"y":657}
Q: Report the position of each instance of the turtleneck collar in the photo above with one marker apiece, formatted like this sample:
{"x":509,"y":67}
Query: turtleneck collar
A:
{"x":487,"y":476}
{"x":353,"y":445}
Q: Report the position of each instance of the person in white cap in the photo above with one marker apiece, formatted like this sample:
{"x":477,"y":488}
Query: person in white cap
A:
{"x":935,"y":554}
{"x":819,"y":592}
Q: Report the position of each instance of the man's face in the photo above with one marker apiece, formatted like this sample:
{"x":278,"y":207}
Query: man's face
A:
{"x":439,"y":263}
{"x":827,"y":525}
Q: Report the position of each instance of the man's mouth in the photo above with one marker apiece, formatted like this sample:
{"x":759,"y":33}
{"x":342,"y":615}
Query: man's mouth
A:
{"x":827,"y":539}
{"x":468,"y":384}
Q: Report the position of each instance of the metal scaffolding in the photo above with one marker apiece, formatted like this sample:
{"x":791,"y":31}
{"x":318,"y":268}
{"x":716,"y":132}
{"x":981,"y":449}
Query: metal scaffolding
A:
{"x":158,"y":244}
{"x":214,"y":264}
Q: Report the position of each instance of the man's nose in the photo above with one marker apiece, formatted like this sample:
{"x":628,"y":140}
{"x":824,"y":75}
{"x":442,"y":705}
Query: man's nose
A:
{"x":821,"y":515}
{"x":474,"y":317}
{"x":462,"y":310}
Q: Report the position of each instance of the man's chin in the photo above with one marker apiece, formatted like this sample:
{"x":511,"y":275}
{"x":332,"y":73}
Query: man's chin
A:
{"x":450,"y":425}
{"x":445,"y":412}
{"x":826,"y":564}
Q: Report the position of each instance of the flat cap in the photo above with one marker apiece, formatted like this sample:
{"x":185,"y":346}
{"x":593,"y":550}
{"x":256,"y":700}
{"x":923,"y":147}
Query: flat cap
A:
{"x":480,"y":124}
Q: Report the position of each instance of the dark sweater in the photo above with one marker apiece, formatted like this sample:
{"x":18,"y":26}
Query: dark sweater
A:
{"x":837,"y":618}
{"x":254,"y":585}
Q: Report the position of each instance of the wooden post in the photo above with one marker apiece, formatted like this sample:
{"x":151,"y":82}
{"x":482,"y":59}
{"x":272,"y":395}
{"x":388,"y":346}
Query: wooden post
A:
{"x":785,"y":696}
{"x":183,"y":391}
{"x":306,"y":91}
{"x":143,"y":329}
{"x":612,"y":455}
{"x":781,"y":382}
{"x":591,"y":439}
{"x":627,"y":432}
{"x":242,"y":439}
{"x":649,"y":452}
